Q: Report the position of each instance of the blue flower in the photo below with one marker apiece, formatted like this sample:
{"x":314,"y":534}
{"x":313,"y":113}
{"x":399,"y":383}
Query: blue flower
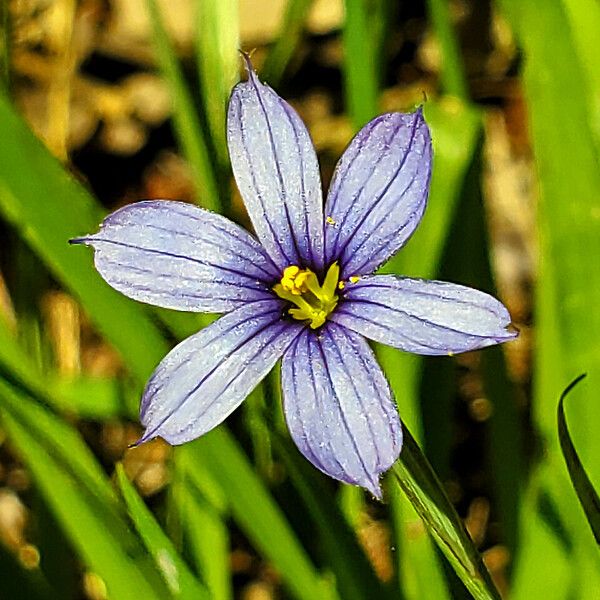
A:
{"x":304,"y":292}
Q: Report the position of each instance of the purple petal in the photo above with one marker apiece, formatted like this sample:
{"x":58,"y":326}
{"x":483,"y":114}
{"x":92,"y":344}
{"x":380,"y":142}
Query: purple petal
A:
{"x":425,"y":317}
{"x":277,"y":173}
{"x":339,"y":408}
{"x":179,"y":256}
{"x":203,"y":379}
{"x":378,"y":192}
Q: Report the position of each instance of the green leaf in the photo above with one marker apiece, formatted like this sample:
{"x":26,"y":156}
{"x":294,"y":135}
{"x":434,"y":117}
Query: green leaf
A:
{"x":354,"y":575}
{"x":588,"y":497}
{"x":256,"y":513}
{"x":217,"y":45}
{"x":418,"y":481}
{"x":452,"y":71}
{"x":360,"y":70}
{"x":187,"y":124}
{"x":176,"y":574}
{"x":72,"y":483}
{"x":47,"y":207}
{"x":289,"y":37}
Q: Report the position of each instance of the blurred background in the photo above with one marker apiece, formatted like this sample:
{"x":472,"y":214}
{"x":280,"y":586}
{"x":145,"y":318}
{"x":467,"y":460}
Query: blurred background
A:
{"x":105,"y":102}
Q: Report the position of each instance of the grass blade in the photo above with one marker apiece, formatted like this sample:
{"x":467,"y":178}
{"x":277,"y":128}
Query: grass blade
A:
{"x":452,"y":73}
{"x":187,"y":125}
{"x":354,"y":574}
{"x":173,"y":569}
{"x":417,"y":479}
{"x":47,"y":208}
{"x":360,"y":70}
{"x":588,"y":497}
{"x":290,"y":34}
{"x":217,"y":45}
{"x":257,"y":515}
{"x":72,"y":484}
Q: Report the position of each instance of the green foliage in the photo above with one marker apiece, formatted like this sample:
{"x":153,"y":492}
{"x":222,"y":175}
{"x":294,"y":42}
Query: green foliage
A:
{"x":588,"y":497}
{"x":178,"y":544}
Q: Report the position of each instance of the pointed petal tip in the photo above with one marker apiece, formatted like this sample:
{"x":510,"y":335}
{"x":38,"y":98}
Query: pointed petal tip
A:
{"x":247,"y":58}
{"x":80,"y":240}
{"x":374,"y":487}
{"x":146,"y":437}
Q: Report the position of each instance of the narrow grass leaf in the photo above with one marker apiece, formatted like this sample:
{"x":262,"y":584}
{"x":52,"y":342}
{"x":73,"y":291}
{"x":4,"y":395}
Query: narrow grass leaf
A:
{"x":176,"y":574}
{"x":588,"y":497}
{"x":452,"y":70}
{"x":187,"y":124}
{"x":47,"y":207}
{"x":290,"y":34}
{"x":206,"y":536}
{"x":217,"y":46}
{"x":418,"y":481}
{"x":354,"y":574}
{"x":360,"y":70}
{"x":419,"y":569}
{"x":257,"y":515}
{"x":61,"y":467}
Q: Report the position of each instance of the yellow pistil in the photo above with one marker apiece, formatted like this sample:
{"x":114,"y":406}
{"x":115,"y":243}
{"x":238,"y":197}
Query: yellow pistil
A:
{"x":312,"y":301}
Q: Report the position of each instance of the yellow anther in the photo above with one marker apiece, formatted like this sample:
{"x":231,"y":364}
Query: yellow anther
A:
{"x":312,"y":301}
{"x":341,"y":285}
{"x":354,"y":278}
{"x":330,"y":221}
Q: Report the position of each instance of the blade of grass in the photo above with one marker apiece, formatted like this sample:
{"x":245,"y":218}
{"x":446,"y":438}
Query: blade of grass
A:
{"x":418,"y":481}
{"x":176,"y":574}
{"x":588,"y":497}
{"x":187,"y":124}
{"x":452,"y":70}
{"x":47,"y":207}
{"x":584,"y":19}
{"x":207,"y":538}
{"x":217,"y":45}
{"x":354,"y":574}
{"x":568,"y":324}
{"x":70,"y":480}
{"x":196,"y":519}
{"x":290,"y":33}
{"x":257,"y":514}
{"x":420,"y":574}
{"x":360,"y":70}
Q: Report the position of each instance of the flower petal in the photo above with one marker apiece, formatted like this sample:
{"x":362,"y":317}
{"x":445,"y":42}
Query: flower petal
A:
{"x":179,"y":256}
{"x":338,"y":406}
{"x":203,"y":379}
{"x":277,"y":173}
{"x":378,"y":192}
{"x":425,"y":317}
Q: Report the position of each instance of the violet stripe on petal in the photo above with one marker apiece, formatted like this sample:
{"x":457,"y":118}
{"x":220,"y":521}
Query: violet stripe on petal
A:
{"x":277,"y":173}
{"x":425,"y":317}
{"x":379,"y":192}
{"x":203,"y":379}
{"x":338,"y":406}
{"x":163,"y":253}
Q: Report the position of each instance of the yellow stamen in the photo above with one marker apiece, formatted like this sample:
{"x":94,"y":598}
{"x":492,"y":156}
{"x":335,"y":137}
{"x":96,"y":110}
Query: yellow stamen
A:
{"x":354,"y":278}
{"x":330,"y":221}
{"x":312,"y":301}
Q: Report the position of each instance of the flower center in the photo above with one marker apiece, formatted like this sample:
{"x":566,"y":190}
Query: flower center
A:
{"x":312,"y":301}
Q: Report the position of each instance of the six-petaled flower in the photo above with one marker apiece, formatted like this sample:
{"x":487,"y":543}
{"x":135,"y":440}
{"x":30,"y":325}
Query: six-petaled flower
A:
{"x":304,"y":292}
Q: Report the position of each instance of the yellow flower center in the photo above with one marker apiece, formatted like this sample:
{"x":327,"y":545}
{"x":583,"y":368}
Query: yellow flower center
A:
{"x":312,"y":301}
